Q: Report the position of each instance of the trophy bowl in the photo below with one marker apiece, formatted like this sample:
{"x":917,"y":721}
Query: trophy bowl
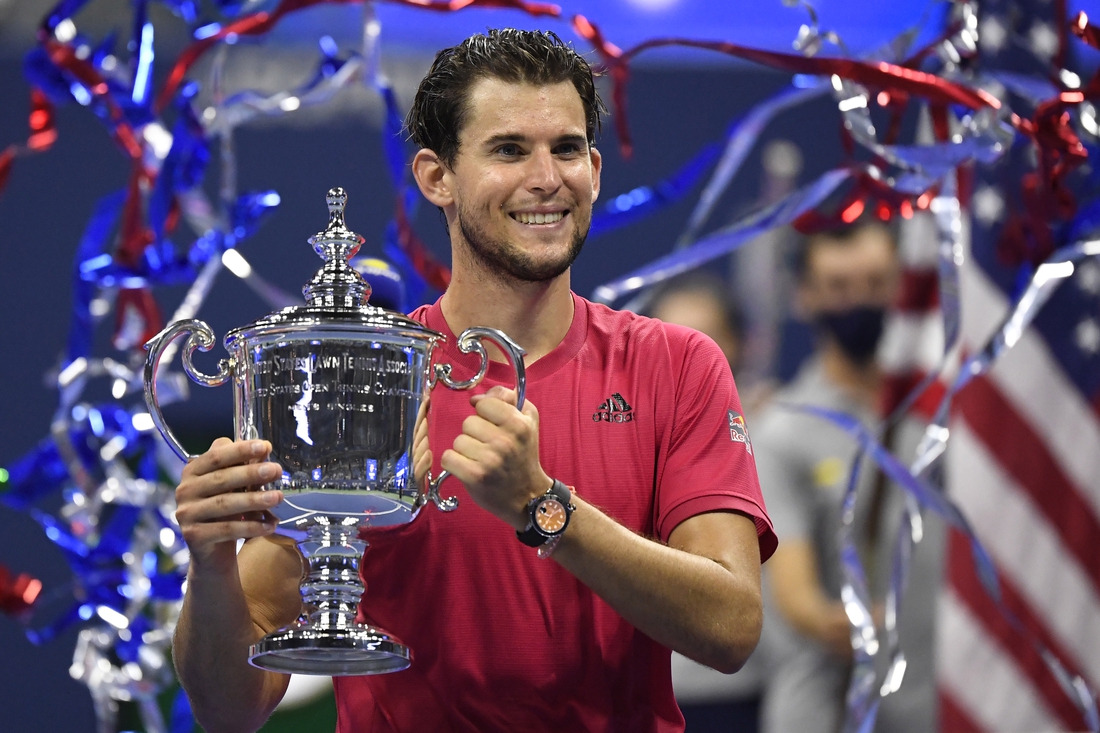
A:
{"x":335,"y":386}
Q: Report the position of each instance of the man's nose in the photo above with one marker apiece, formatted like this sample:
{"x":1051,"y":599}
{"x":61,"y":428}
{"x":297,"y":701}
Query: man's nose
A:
{"x":543,"y":175}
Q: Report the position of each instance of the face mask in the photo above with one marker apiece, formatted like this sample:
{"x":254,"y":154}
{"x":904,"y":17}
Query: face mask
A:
{"x":857,"y":330}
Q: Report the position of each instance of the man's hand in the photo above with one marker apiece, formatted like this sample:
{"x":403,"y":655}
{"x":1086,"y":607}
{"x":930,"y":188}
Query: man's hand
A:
{"x":497,"y":456}
{"x":213,"y":508}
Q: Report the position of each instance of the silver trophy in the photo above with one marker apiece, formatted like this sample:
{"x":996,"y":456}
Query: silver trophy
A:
{"x":335,"y":386}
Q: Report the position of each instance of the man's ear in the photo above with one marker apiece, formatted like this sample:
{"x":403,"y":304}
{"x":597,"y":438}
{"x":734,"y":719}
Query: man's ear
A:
{"x":597,"y":166}
{"x":431,"y":177}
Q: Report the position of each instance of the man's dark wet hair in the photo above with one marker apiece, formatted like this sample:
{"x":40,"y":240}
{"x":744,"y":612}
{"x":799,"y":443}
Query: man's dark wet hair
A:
{"x":440,"y":107}
{"x":843,"y":234}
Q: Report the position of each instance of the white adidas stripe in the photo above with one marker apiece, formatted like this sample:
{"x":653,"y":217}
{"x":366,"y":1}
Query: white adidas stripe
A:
{"x":1026,"y":548}
{"x":982,"y":679}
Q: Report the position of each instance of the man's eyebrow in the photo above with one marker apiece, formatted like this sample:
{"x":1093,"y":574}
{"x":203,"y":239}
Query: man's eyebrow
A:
{"x":515,"y":137}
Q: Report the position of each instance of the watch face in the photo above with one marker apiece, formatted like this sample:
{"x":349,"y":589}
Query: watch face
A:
{"x":550,"y":516}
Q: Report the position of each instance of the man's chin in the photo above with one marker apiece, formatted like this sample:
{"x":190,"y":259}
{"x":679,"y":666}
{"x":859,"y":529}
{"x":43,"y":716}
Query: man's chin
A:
{"x":537,"y":260}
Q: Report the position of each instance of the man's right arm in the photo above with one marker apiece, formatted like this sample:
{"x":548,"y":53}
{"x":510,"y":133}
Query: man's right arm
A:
{"x":232,"y":600}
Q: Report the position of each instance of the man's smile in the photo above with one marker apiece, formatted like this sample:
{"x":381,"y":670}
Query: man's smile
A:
{"x":536,"y":218}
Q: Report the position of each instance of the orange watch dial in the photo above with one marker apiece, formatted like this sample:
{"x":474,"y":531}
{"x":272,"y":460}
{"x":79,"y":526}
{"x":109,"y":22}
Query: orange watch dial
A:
{"x":551,"y":516}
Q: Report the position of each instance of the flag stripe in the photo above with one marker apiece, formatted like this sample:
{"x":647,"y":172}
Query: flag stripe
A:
{"x":953,"y":719}
{"x":1029,"y":377}
{"x":969,"y":591}
{"x":1022,"y":453}
{"x":1027,"y":548}
{"x":911,"y":341}
{"x":896,"y":387}
{"x":986,"y":683}
{"x":919,"y":290}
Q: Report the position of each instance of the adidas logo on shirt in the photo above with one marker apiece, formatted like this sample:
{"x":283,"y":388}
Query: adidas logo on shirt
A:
{"x":614,"y":409}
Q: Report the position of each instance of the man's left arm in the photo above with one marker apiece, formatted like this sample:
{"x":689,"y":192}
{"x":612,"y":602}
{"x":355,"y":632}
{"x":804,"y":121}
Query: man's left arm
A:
{"x":699,"y":595}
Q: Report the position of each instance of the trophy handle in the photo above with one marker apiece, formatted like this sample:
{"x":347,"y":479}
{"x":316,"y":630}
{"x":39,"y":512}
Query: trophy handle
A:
{"x":202,"y":338}
{"x":470,"y":341}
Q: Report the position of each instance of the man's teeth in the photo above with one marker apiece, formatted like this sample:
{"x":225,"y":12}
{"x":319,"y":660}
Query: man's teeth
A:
{"x":525,"y":218}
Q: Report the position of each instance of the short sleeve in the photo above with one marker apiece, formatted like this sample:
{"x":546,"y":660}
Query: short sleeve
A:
{"x":781,"y":477}
{"x":709,"y":463}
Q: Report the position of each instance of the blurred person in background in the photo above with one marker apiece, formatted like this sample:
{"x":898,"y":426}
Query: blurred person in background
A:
{"x":712,"y":702}
{"x":847,"y":278}
{"x":701,"y":300}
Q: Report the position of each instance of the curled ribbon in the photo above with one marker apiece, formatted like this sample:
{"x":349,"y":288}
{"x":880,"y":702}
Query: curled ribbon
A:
{"x":877,"y":75}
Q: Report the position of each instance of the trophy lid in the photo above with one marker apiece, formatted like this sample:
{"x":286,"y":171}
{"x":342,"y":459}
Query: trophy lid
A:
{"x":337,"y":295}
{"x":337,"y":283}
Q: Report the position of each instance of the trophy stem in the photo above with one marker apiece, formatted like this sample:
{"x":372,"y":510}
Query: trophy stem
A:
{"x":332,"y":587}
{"x":328,"y":640}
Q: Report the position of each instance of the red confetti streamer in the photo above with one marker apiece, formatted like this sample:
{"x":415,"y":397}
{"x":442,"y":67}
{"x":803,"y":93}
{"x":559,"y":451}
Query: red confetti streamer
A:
{"x":18,"y":593}
{"x":1027,"y":235}
{"x":877,"y":75}
{"x":137,"y":318}
{"x":1090,"y":34}
{"x":1086,"y":31}
{"x":134,"y":235}
{"x":43,"y":124}
{"x":917,"y":58}
{"x":432,"y":270}
{"x":868,"y":194}
{"x":261,"y":22}
{"x":64,"y":56}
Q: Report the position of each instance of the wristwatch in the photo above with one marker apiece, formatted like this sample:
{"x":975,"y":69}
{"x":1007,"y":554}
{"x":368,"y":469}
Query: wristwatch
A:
{"x":548,"y":516}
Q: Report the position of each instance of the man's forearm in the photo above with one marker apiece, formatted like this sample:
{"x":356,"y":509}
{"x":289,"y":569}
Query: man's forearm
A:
{"x":211,"y":653}
{"x":707,"y":610}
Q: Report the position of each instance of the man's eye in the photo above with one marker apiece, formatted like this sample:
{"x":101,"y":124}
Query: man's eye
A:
{"x":508,"y":150}
{"x":568,"y":149}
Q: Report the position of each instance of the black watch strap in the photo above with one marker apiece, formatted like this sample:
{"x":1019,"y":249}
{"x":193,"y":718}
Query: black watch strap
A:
{"x":531,"y":536}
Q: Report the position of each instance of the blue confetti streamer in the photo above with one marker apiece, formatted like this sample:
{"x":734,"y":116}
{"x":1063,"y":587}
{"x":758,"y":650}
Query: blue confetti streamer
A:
{"x":740,"y":139}
{"x":184,"y":166}
{"x":92,"y":244}
{"x":640,"y":202}
{"x":62,"y":11}
{"x":34,"y":476}
{"x":183,"y":720}
{"x":727,"y":239}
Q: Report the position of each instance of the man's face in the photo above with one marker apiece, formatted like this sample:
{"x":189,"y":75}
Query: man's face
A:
{"x":524,"y":179}
{"x":841,"y":275}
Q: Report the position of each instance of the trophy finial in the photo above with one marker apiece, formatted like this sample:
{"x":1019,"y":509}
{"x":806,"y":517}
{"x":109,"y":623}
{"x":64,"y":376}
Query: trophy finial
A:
{"x":337,"y":199}
{"x":336,"y":282}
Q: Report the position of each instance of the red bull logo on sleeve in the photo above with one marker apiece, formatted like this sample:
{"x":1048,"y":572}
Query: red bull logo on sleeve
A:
{"x":738,"y":433}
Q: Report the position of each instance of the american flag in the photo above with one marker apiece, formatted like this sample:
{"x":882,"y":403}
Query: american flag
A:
{"x":1024,"y":459}
{"x":1024,"y":465}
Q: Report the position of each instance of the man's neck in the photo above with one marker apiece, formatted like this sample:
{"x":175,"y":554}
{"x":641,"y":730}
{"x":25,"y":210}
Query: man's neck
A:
{"x":537,"y":316}
{"x":860,"y":381}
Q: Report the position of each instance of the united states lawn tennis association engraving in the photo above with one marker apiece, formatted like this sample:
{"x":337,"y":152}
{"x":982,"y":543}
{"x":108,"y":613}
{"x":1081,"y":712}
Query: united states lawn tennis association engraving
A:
{"x":351,"y":375}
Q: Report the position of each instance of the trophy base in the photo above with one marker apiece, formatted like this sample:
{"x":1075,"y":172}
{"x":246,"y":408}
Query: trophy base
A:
{"x":354,"y":650}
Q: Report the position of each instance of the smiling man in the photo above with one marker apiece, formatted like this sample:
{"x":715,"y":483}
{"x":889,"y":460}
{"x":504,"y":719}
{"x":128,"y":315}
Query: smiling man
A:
{"x":616,"y":517}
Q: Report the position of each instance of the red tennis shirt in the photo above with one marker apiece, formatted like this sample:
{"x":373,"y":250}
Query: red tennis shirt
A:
{"x":644,"y":420}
